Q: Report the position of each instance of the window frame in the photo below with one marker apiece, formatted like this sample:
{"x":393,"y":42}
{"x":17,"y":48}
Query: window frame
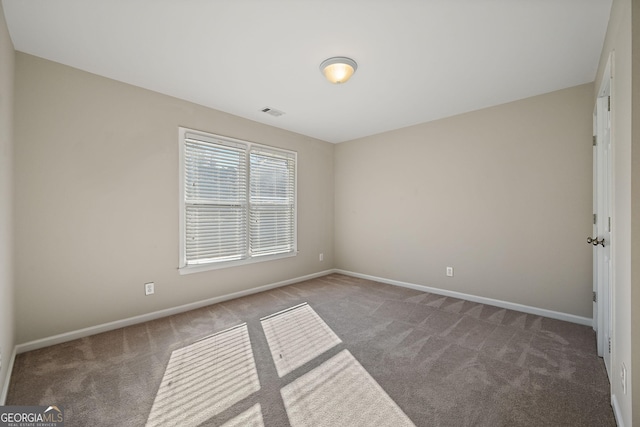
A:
{"x":183,"y":267}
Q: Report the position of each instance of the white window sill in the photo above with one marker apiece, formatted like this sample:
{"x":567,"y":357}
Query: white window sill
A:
{"x":189,"y":269}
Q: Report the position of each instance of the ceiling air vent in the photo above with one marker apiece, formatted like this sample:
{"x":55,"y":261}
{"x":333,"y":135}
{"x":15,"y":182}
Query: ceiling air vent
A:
{"x":272,"y":111}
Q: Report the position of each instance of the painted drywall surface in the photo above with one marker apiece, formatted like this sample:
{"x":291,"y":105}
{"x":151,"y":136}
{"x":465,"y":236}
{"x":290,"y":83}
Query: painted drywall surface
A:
{"x":97,"y":200}
{"x":502,"y":194}
{"x":635,"y":218}
{"x":618,"y":40}
{"x":6,"y":199}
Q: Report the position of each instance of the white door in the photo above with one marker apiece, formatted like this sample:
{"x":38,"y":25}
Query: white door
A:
{"x":601,"y":238}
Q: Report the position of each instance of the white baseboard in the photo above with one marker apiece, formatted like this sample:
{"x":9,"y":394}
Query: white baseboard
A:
{"x":7,"y":379}
{"x":587,"y":321}
{"x":616,"y":411}
{"x":92,"y":330}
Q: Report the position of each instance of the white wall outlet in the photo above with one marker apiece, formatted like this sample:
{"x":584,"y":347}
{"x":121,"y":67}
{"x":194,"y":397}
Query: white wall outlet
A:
{"x":623,"y":378}
{"x":149,"y":288}
{"x":321,"y":257}
{"x":450,"y":271}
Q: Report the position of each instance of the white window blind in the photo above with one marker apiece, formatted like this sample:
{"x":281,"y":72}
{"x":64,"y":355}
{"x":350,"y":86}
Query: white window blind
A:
{"x":239,"y":201}
{"x":215,"y":200}
{"x":272,"y":202}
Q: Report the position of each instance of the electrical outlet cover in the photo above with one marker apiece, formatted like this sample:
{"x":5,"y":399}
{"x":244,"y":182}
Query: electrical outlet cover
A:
{"x":149,"y":288}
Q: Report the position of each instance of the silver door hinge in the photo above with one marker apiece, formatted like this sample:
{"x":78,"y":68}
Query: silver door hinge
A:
{"x":609,"y":344}
{"x":595,"y":139}
{"x":609,"y":223}
{"x":609,"y":103}
{"x":595,"y":219}
{"x":595,"y":296}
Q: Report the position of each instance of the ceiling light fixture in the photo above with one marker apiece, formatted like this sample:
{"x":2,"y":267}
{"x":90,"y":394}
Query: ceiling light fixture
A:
{"x":338,"y":69}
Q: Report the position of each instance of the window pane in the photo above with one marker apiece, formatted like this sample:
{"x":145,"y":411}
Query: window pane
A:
{"x":272,"y":229}
{"x":271,"y":203}
{"x":214,"y":173}
{"x":215,"y":233}
{"x":215,"y":202}
{"x":271,"y":179}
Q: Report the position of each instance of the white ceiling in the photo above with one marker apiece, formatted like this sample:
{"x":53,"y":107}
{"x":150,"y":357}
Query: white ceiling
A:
{"x":418,"y":60}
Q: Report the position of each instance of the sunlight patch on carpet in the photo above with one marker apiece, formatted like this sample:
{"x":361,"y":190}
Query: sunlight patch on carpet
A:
{"x":252,"y":417}
{"x":296,"y":336}
{"x":205,"y":378}
{"x":340,"y":392}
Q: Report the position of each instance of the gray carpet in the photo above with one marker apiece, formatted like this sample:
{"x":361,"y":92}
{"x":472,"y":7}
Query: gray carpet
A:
{"x":443,"y":361}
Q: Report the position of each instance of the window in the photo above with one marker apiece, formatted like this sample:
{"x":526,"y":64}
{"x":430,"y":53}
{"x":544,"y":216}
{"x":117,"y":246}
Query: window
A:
{"x":238,"y":202}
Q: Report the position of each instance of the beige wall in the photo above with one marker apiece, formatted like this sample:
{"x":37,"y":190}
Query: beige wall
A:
{"x":6,"y":201}
{"x":97,"y":200}
{"x":635,"y":219}
{"x":501,"y":194}
{"x":618,"y":39}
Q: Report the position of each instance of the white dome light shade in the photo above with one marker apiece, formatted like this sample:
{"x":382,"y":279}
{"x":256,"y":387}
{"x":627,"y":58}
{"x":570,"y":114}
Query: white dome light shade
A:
{"x":338,"y":69}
